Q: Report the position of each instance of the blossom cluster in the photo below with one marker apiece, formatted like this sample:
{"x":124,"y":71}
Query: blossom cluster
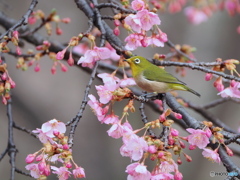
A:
{"x":140,"y":23}
{"x":55,"y":149}
{"x":233,"y":90}
{"x":6,"y":83}
{"x":52,"y":17}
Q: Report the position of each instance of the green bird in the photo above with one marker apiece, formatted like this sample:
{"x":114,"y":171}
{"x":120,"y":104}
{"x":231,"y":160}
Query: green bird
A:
{"x":151,"y":78}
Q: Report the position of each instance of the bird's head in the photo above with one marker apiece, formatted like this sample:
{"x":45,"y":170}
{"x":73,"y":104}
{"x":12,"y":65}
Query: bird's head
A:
{"x":137,"y":64}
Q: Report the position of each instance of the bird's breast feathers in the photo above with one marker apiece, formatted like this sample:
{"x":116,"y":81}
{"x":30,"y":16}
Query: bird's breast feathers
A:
{"x":151,"y":86}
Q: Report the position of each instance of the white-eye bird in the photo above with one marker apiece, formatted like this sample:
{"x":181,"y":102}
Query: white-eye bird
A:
{"x":151,"y":78}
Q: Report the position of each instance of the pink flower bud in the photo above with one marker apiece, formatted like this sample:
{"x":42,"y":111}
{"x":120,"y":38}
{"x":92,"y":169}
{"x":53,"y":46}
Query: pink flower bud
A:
{"x":18,"y":50}
{"x":15,"y":34}
{"x":46,"y":43}
{"x":192,"y":147}
{"x":116,"y":31}
{"x":229,"y":151}
{"x":218,"y":84}
{"x":42,"y":165}
{"x":144,"y":42}
{"x":208,"y":76}
{"x":59,"y":31}
{"x":178,"y":115}
{"x":64,"y":68}
{"x":170,"y":140}
{"x":4,"y":100}
{"x":37,"y":68}
{"x":4,"y":76}
{"x":39,"y":48}
{"x":53,"y":69}
{"x":182,"y":144}
{"x":30,"y":63}
{"x":65,"y":147}
{"x":152,"y":149}
{"x":174,"y":132}
{"x":30,"y":158}
{"x":68,"y":165}
{"x":160,"y":154}
{"x":208,"y":132}
{"x":163,"y":37}
{"x":70,"y":61}
{"x":179,"y":161}
{"x":162,"y":118}
{"x":60,"y":54}
{"x":47,"y":171}
{"x":233,"y":83}
{"x":117,"y":22}
{"x":178,"y":176}
{"x":32,"y":20}
{"x":56,"y":132}
{"x":12,"y":83}
{"x":188,"y":158}
{"x":39,"y":157}
{"x":66,"y":20}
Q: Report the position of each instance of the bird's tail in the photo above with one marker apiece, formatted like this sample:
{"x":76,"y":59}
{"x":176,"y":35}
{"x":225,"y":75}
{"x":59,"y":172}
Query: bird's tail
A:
{"x":192,"y":91}
{"x":184,"y":88}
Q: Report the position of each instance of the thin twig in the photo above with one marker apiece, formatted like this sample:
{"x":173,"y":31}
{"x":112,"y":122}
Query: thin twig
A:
{"x":12,"y":151}
{"x":144,"y":118}
{"x":23,"y":20}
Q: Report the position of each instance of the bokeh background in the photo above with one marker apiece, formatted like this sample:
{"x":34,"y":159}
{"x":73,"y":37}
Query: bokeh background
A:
{"x":39,"y":97}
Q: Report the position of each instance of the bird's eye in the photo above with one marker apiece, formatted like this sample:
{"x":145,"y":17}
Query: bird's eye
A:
{"x":137,"y":61}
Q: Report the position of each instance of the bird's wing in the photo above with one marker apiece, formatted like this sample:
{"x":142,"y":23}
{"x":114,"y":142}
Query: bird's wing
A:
{"x":160,"y":76}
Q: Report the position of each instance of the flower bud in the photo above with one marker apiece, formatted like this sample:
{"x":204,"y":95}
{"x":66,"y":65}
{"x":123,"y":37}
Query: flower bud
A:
{"x":30,"y":158}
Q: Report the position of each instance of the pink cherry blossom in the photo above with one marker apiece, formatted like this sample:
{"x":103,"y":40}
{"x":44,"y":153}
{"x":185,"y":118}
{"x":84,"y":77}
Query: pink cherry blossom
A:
{"x":137,"y":171}
{"x":134,"y":148}
{"x":79,"y":172}
{"x":138,"y":5}
{"x":127,"y":82}
{"x":154,"y":40}
{"x":105,"y":93}
{"x":194,"y":15}
{"x":168,"y":166}
{"x":162,"y":176}
{"x":113,"y":55}
{"x":134,"y":22}
{"x":110,"y":119}
{"x":178,"y":175}
{"x":81,"y":48}
{"x":211,"y":155}
{"x":198,"y":137}
{"x":109,"y":81}
{"x":62,"y":172}
{"x":133,"y":41}
{"x":152,"y":149}
{"x":49,"y":127}
{"x":43,"y":137}
{"x":118,"y":130}
{"x":91,"y":56}
{"x":232,"y":91}
{"x":34,"y":171}
{"x":148,"y":19}
{"x":97,"y":108}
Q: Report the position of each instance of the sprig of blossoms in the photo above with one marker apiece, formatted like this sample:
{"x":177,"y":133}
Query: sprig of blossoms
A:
{"x":55,"y":149}
{"x":140,"y":23}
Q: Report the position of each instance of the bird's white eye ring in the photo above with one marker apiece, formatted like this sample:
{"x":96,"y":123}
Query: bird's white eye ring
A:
{"x":137,"y":61}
